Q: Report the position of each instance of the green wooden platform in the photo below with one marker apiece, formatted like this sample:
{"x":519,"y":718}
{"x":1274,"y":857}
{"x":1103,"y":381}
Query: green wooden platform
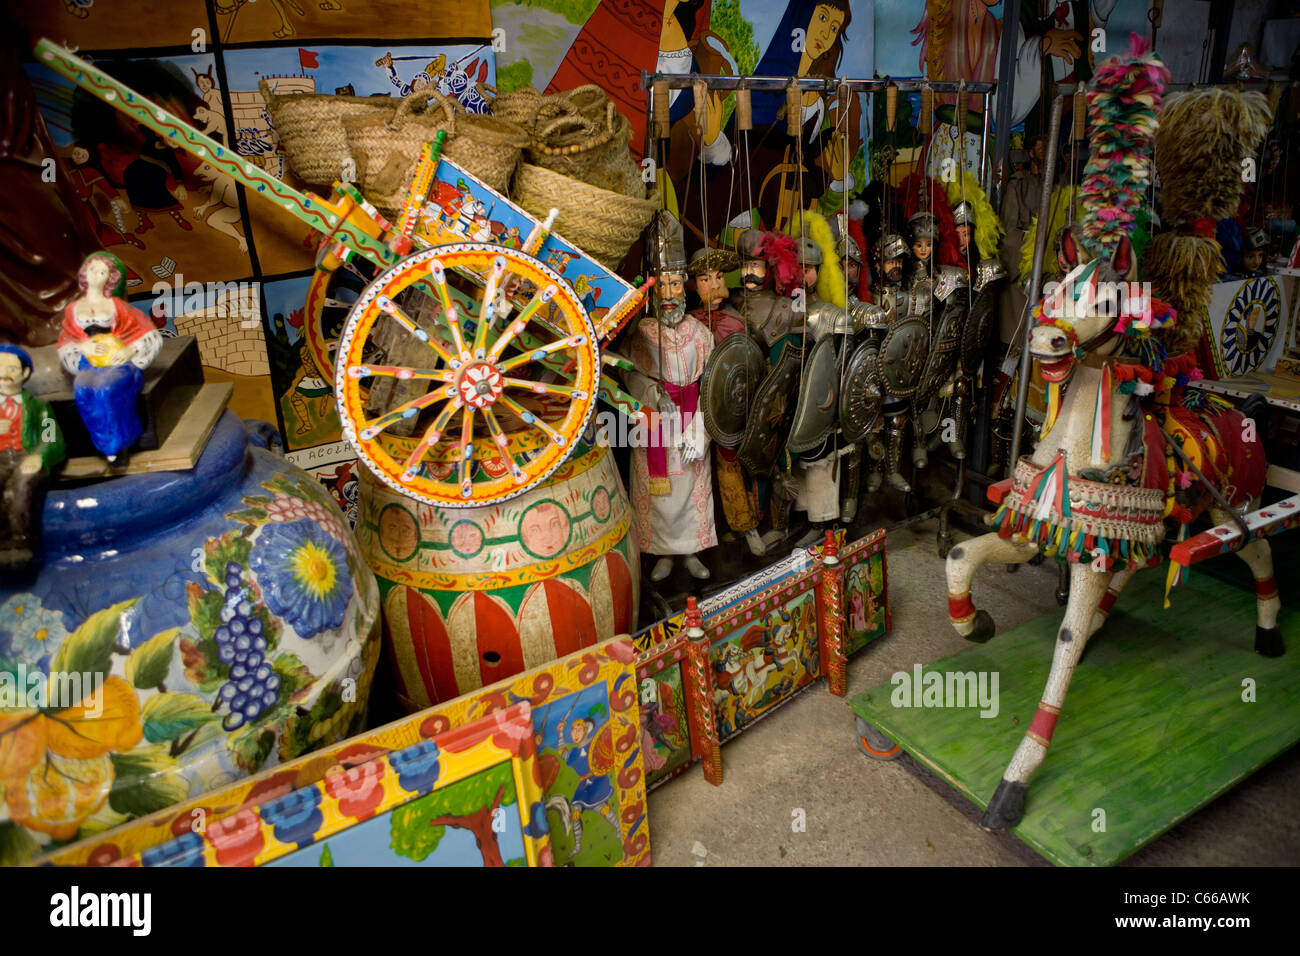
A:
{"x":1154,"y":725}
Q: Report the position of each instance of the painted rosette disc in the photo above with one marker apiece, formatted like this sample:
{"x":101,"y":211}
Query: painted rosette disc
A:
{"x":503,"y":400}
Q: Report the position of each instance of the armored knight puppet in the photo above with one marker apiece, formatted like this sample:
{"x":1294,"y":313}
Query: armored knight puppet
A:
{"x":31,"y":444}
{"x":769,"y":317}
{"x":732,"y":373}
{"x":826,"y":468}
{"x":672,"y":486}
{"x":904,"y":341}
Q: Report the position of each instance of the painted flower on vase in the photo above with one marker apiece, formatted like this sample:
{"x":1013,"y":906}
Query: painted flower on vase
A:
{"x":34,"y":631}
{"x":303,"y":575}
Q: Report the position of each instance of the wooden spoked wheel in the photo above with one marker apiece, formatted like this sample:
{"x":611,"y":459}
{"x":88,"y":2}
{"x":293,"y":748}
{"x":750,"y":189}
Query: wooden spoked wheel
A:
{"x":486,"y":367}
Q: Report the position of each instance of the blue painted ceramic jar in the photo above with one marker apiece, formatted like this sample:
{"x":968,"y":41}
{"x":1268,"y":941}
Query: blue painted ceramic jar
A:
{"x":183,"y":629}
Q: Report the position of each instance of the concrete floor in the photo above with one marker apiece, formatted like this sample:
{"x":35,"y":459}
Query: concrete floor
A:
{"x":864,"y":812}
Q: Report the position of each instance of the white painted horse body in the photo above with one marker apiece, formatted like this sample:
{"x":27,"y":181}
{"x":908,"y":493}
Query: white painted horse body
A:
{"x":1092,"y":590}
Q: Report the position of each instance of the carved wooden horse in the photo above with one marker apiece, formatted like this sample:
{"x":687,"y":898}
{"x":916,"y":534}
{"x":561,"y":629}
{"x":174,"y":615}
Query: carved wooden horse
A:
{"x":1103,"y":478}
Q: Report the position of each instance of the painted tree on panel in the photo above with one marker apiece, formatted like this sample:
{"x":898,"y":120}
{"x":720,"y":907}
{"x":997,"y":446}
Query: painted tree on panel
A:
{"x":418,"y":827}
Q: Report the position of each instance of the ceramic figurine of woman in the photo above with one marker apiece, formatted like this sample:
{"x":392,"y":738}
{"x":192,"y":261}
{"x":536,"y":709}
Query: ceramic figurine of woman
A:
{"x":106,"y":345}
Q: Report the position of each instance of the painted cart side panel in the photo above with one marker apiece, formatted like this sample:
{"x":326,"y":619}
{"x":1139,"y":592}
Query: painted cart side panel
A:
{"x":456,"y":780}
{"x":609,"y":668}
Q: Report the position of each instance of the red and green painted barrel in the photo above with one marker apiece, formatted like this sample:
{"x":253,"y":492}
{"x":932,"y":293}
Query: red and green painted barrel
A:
{"x":472,"y":596}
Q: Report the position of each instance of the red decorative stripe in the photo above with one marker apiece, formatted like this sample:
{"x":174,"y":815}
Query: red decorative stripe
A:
{"x":1107,"y":601}
{"x":1265,"y":589}
{"x":961,"y":609}
{"x":1044,"y":722}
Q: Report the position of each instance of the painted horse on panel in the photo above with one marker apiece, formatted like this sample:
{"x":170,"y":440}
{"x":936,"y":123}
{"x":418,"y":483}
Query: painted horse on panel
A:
{"x":1125,"y":448}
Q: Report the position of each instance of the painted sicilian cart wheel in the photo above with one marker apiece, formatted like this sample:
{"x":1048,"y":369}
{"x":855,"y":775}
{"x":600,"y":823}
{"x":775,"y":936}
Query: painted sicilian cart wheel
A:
{"x":498,"y":416}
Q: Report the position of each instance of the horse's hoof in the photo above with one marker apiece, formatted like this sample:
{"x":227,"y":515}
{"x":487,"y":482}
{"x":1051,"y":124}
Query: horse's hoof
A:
{"x":1007,"y":806}
{"x":875,"y":744}
{"x":1268,"y":641}
{"x":983,"y":627}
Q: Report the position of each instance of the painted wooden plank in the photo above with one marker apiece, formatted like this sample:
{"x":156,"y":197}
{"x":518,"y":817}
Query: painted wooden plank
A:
{"x":1153,"y":728}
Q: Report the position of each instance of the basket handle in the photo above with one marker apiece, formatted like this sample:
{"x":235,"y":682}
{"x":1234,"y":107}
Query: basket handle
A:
{"x":599,"y":139}
{"x":408,"y":108}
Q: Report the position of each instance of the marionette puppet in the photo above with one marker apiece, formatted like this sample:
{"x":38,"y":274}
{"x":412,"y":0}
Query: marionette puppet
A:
{"x":31,"y":444}
{"x":1253,"y":252}
{"x":672,"y":486}
{"x":106,"y":345}
{"x":765,"y":259}
{"x":826,"y":469}
{"x":737,"y":490}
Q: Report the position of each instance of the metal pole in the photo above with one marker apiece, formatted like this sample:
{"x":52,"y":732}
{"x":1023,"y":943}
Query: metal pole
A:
{"x":985,"y":166}
{"x":1036,"y":277}
{"x":1007,"y":71}
{"x":825,"y":84}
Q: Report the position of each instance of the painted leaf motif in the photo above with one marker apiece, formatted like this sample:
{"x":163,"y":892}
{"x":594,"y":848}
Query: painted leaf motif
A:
{"x":149,"y":663}
{"x":148,"y":780}
{"x":22,"y":744}
{"x":205,"y":609}
{"x":170,"y":716}
{"x":294,"y":675}
{"x":250,"y":750}
{"x":17,"y":846}
{"x":89,"y":648}
{"x":231,"y":548}
{"x":200,"y":661}
{"x":105,"y":720}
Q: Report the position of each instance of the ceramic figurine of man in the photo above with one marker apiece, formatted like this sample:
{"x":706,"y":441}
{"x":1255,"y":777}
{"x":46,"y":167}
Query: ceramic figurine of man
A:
{"x":672,"y":486}
{"x":708,"y":269}
{"x":106,"y":345}
{"x":31,"y":444}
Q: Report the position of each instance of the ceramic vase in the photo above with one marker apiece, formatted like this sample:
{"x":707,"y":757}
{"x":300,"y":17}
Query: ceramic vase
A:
{"x":181,"y":629}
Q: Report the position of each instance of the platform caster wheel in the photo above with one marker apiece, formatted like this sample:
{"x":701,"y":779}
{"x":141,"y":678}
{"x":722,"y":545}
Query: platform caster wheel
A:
{"x":875,"y":744}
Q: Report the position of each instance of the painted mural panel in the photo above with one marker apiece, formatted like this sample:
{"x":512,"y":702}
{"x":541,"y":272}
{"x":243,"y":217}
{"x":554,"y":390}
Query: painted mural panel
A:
{"x":665,"y":721}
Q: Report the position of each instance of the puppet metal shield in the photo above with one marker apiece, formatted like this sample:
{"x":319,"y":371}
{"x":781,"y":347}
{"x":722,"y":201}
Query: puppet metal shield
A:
{"x":770,"y":414}
{"x":814,"y":415}
{"x":941,"y":359}
{"x":734,"y":370}
{"x":862,"y":394}
{"x":902,"y":356}
{"x":977,"y":330}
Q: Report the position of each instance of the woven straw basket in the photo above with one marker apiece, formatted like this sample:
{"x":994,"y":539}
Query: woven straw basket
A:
{"x":310,"y":127}
{"x":602,"y":223}
{"x":575,"y":146}
{"x":388,"y":149}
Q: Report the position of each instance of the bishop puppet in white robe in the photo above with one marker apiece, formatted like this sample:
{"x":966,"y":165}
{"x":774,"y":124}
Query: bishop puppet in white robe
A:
{"x":672,"y":479}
